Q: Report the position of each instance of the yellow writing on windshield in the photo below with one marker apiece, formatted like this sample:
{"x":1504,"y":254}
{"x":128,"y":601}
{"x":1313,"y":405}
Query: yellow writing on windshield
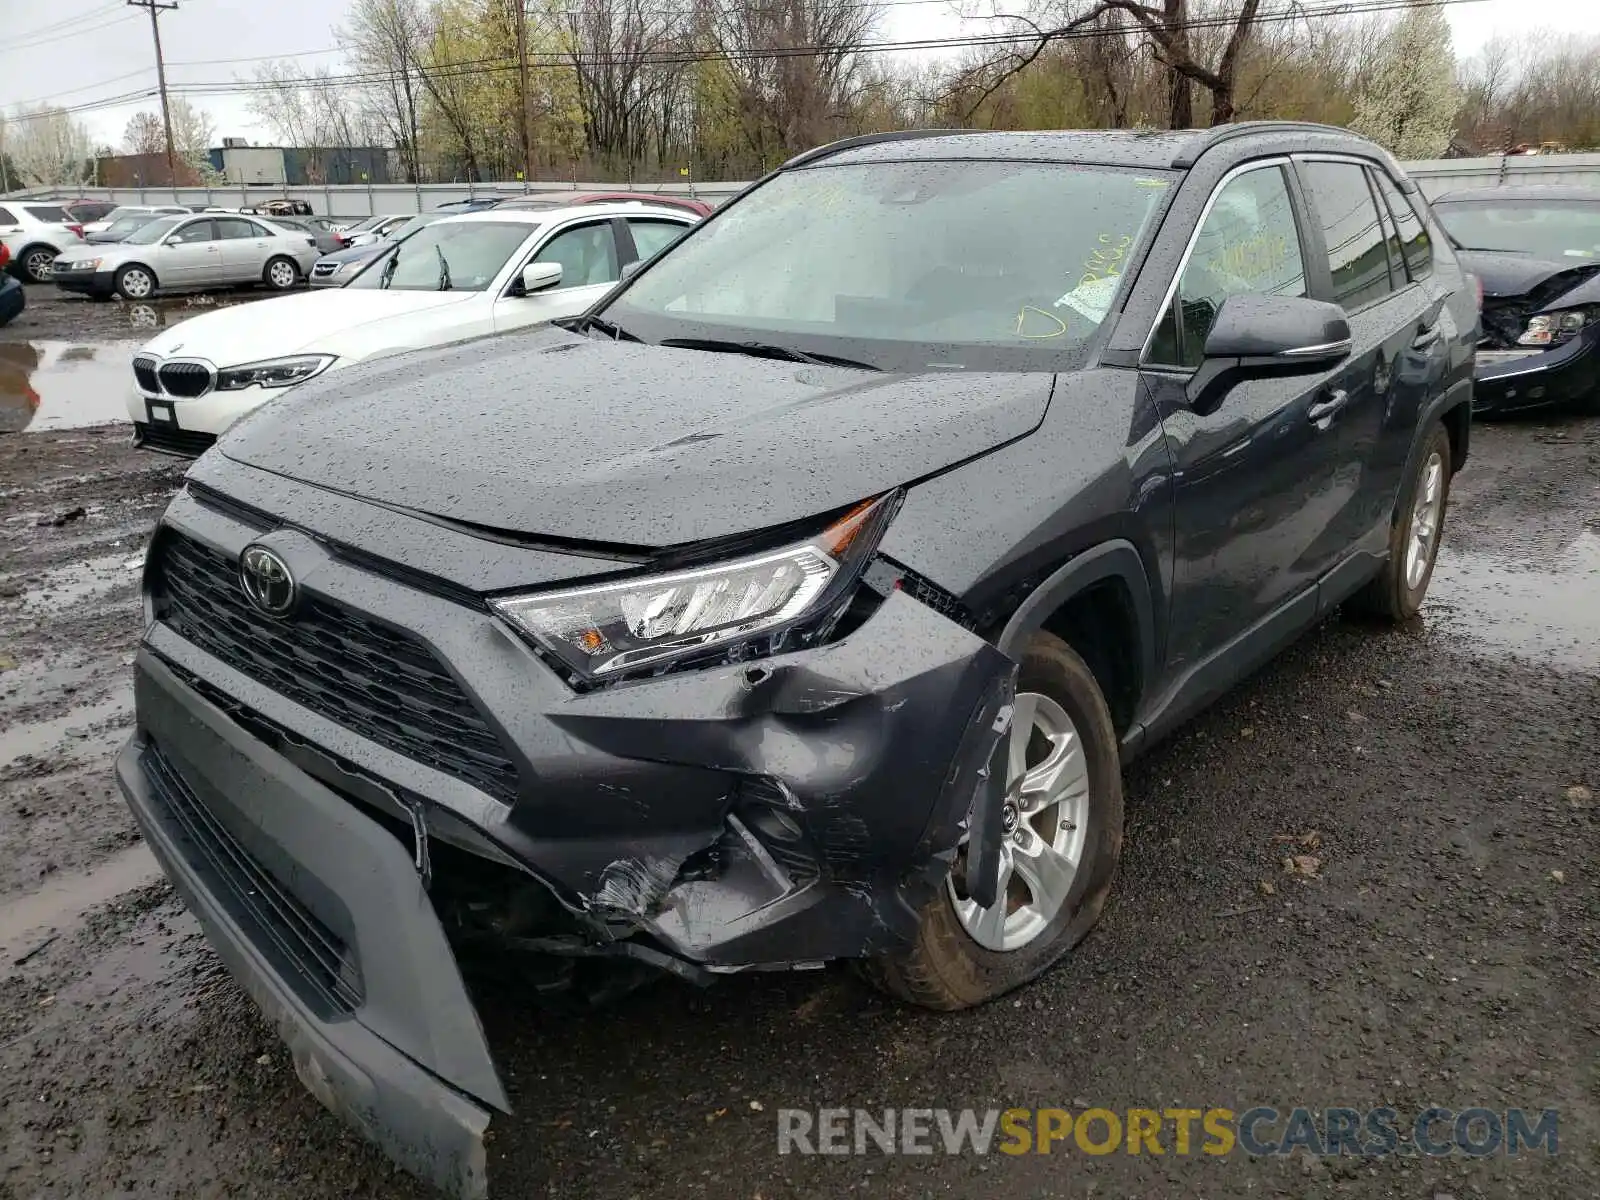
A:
{"x":1106,"y":258}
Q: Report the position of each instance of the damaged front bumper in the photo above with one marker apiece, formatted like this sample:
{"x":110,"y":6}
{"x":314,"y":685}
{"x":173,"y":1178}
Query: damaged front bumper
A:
{"x":1510,"y":380}
{"x":775,"y":813}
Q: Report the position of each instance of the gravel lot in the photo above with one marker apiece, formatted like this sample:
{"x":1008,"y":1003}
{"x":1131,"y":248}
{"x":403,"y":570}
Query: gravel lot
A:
{"x":1447,"y":949}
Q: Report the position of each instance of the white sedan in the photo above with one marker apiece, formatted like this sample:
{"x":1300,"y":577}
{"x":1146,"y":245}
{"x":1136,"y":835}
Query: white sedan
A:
{"x":457,"y":278}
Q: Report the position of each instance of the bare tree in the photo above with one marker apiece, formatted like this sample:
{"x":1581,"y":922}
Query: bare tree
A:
{"x":384,"y":42}
{"x":144,"y":135}
{"x":615,"y":49}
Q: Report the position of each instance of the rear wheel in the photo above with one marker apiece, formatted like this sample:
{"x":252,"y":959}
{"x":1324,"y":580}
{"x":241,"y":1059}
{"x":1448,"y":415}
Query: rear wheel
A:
{"x":1062,"y":826}
{"x":1396,"y":592}
{"x":134,"y":282}
{"x":36,"y":261}
{"x":281,"y":274}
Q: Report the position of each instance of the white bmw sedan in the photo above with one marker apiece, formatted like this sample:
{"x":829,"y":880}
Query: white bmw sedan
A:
{"x":459,"y":277}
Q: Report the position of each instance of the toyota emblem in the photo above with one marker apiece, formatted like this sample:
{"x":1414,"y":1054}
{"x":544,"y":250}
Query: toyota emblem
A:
{"x":267,"y":582}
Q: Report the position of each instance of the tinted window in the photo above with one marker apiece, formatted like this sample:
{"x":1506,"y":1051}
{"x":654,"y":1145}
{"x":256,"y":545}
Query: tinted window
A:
{"x":463,"y":255}
{"x":47,"y":212}
{"x":238,"y":228}
{"x":1247,"y":244}
{"x":1356,"y":255}
{"x":1391,"y":239}
{"x":195,"y":231}
{"x":651,"y":237}
{"x":1416,"y":247}
{"x":1547,"y":228}
{"x":6,"y":218}
{"x":587,"y":254}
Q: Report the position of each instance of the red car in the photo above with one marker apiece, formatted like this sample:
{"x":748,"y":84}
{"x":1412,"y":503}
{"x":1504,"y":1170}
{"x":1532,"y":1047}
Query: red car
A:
{"x":562,"y":199}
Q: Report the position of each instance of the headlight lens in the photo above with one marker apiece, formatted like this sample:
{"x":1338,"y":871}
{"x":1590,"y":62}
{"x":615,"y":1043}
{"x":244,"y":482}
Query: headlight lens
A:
{"x":611,"y":629}
{"x":1552,"y":328}
{"x":79,"y":264}
{"x":273,"y":372}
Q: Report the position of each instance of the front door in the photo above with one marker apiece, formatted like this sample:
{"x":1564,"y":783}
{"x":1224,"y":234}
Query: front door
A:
{"x":1260,"y":486}
{"x":191,"y":256}
{"x":589,"y":266}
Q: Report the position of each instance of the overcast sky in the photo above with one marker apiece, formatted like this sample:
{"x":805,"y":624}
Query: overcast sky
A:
{"x":83,"y":52}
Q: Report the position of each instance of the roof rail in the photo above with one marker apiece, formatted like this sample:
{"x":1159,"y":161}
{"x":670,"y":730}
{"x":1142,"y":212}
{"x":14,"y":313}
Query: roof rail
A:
{"x":1218,"y":134}
{"x":869,"y":139}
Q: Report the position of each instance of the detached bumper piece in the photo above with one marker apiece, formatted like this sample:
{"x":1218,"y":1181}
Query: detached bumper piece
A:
{"x":169,"y":439}
{"x":319,"y":914}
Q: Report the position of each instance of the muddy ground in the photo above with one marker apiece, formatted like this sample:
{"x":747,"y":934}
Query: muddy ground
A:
{"x":1445,"y":950}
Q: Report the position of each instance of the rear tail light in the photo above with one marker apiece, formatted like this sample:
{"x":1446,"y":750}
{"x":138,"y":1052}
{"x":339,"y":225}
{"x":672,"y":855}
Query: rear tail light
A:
{"x":77,"y":229}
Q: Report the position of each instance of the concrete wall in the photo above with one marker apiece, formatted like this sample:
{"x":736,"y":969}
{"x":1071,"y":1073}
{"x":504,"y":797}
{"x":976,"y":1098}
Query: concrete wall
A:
{"x":1434,"y":177}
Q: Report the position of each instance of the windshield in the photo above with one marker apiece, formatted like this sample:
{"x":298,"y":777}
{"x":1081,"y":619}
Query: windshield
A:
{"x":447,"y":255}
{"x":123,"y":226}
{"x":363,"y":226}
{"x":907,"y":266}
{"x":1547,"y":228}
{"x":401,"y":232}
{"x":153,"y":231}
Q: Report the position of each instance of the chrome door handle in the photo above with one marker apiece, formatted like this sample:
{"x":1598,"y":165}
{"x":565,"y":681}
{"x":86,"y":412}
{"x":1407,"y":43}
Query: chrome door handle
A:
{"x":1320,"y":412}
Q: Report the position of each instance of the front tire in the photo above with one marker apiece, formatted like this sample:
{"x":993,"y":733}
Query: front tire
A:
{"x":281,"y":274}
{"x":1062,"y":842}
{"x":134,"y":282}
{"x":1396,"y":593}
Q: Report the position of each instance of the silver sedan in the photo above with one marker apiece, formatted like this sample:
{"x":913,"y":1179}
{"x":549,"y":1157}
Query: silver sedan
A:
{"x":186,"y":254}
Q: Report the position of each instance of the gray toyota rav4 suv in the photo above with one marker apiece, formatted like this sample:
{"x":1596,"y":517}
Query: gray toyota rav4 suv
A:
{"x":799,"y":602}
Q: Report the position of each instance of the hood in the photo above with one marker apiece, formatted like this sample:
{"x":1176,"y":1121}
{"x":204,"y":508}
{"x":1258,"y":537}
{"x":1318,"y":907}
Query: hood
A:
{"x":313,"y":320}
{"x":544,"y":433}
{"x":354,"y":253}
{"x":1505,"y":274}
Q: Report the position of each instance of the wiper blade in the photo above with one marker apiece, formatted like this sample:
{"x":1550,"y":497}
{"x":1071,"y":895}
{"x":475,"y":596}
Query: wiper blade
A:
{"x":768,"y":350}
{"x":610,"y":328}
{"x":444,"y":269}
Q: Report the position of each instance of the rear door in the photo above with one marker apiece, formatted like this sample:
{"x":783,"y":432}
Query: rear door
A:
{"x":246,"y":246}
{"x":1260,"y":480}
{"x":191,"y":256}
{"x":590,"y":259}
{"x":1382,"y":382}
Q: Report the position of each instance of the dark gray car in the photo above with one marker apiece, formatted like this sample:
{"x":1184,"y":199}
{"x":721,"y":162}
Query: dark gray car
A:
{"x":326,"y":241}
{"x":801,"y":601}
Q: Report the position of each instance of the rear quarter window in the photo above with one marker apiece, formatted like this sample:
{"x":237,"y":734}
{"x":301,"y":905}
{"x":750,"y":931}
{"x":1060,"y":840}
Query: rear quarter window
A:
{"x":46,"y":212}
{"x":1416,"y":247}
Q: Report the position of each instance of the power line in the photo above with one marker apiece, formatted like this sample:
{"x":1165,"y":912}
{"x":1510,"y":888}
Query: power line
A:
{"x":23,"y":35}
{"x":11,"y":47}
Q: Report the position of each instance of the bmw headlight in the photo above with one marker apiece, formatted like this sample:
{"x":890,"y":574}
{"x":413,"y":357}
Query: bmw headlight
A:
{"x":273,"y":372}
{"x":747,"y":607}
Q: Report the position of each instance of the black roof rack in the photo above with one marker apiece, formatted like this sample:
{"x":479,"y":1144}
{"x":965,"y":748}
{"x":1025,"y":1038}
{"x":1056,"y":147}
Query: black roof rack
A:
{"x":870,"y":139}
{"x":1221,"y":133}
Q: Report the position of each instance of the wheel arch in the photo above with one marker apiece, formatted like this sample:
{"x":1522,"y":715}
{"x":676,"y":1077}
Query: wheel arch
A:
{"x":1097,"y":602}
{"x":21,"y":256}
{"x":155,"y":277}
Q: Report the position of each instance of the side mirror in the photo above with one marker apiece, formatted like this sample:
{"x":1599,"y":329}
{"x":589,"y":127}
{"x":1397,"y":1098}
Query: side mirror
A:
{"x":538,"y":276}
{"x":1262,"y":335}
{"x":629,"y":268}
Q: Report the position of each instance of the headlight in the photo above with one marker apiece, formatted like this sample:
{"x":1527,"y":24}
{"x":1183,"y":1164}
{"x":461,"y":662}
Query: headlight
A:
{"x":273,"y":372}
{"x":1555,"y":327}
{"x":749,"y":606}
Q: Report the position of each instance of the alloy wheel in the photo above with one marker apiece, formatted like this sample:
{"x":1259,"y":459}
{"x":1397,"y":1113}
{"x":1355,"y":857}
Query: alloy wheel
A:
{"x":281,"y":274}
{"x":136,"y":285}
{"x":1044,"y":826}
{"x":39,"y":265}
{"x":1426,"y":510}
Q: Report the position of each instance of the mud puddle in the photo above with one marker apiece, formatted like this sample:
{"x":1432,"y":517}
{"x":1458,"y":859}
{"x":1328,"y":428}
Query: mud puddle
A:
{"x":83,"y":732}
{"x":1552,"y":615}
{"x":62,"y":385}
{"x":61,"y":903}
{"x":75,"y":583}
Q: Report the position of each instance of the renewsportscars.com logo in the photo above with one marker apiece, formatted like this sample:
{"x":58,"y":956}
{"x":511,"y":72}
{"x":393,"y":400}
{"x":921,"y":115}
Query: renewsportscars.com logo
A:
{"x":1263,"y":1130}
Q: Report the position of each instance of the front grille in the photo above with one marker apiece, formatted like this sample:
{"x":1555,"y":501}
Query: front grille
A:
{"x":322,"y":270}
{"x":185,"y":380}
{"x":144,"y":373}
{"x":385,"y":685}
{"x":308,"y":955}
{"x":171,"y":440}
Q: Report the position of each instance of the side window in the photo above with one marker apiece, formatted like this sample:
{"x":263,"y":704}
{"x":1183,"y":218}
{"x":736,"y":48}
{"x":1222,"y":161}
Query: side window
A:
{"x":1344,"y":206}
{"x":1415,"y":244}
{"x":587,"y":254}
{"x":195,"y":231}
{"x":1391,"y":239}
{"x":1248,"y":243}
{"x":6,"y":217}
{"x":234,"y":228}
{"x":651,"y":237}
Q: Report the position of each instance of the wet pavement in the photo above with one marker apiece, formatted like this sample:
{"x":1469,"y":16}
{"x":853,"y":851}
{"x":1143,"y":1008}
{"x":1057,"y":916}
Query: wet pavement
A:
{"x":1444,"y":950}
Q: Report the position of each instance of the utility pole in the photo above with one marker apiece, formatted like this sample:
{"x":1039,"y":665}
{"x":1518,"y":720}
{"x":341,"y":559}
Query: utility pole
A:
{"x":161,"y":80}
{"x":522,"y":91}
